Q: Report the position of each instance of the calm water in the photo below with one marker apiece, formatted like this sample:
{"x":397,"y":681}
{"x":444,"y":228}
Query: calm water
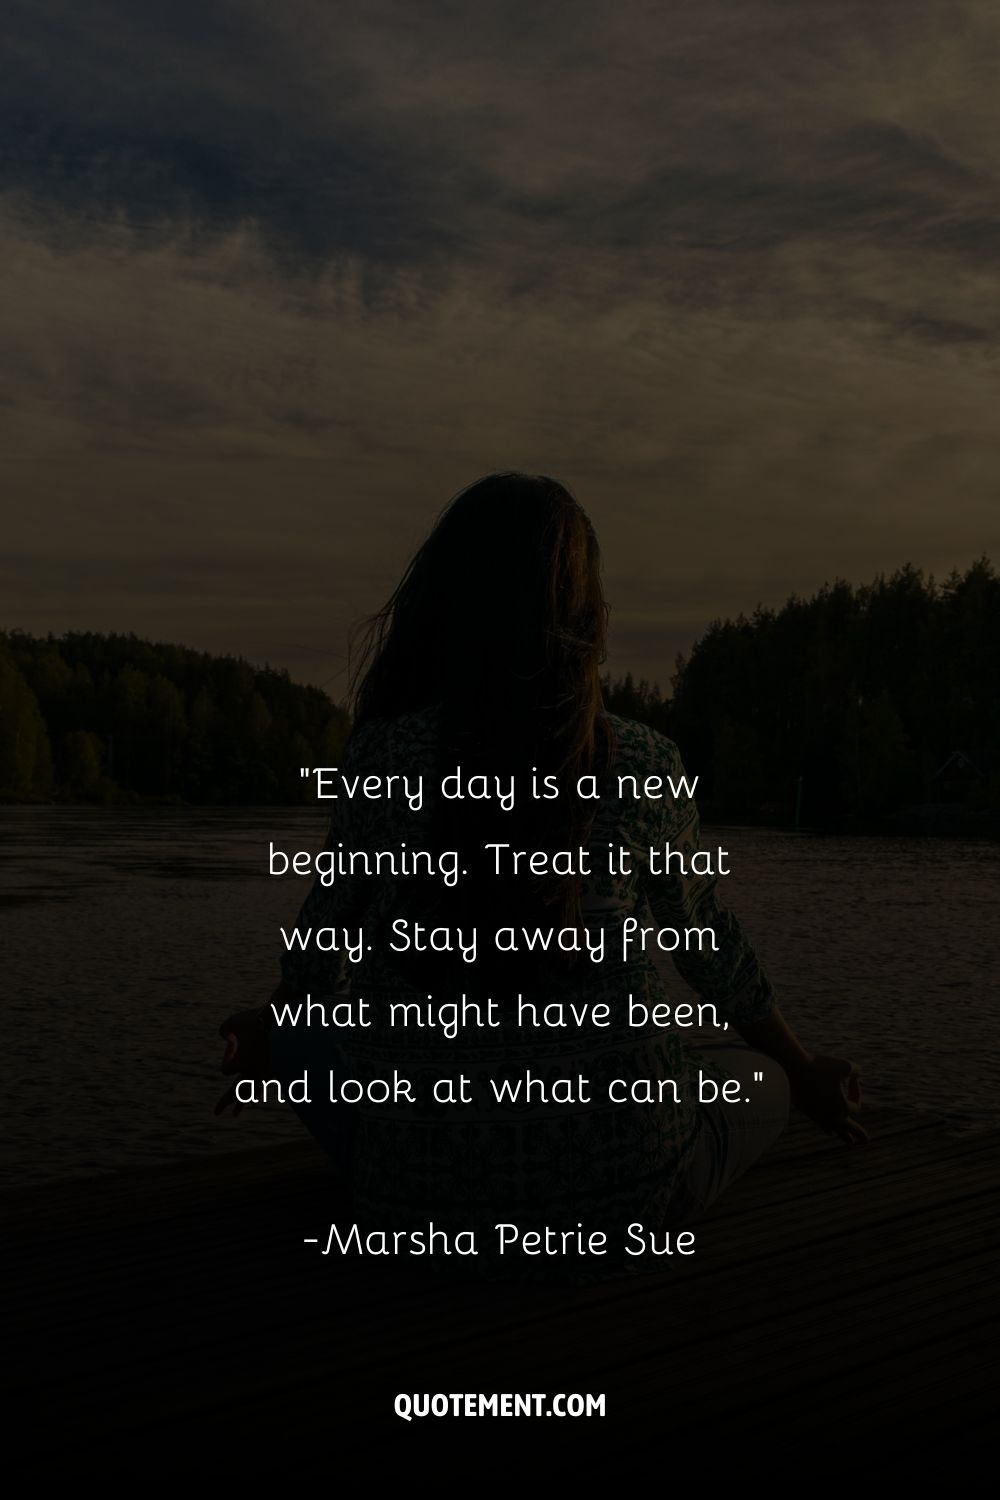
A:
{"x":128,"y":936}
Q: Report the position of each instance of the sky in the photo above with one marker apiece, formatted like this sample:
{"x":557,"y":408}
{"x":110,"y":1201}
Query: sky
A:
{"x":279,"y":279}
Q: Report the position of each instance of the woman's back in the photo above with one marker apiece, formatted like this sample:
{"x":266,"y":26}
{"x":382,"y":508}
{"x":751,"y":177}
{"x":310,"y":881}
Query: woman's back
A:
{"x":596,"y":1117}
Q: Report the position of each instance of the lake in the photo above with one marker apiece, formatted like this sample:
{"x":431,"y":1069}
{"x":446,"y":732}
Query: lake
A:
{"x":129,"y":934}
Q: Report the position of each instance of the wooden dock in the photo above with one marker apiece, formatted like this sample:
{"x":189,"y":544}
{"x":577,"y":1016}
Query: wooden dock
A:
{"x":838,"y":1293}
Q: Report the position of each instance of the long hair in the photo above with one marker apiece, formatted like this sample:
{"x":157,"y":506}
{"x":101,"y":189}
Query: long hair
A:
{"x":499,"y":622}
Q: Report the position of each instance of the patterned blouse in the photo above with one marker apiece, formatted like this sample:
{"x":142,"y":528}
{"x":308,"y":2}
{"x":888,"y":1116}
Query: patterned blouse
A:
{"x":483,"y":1163}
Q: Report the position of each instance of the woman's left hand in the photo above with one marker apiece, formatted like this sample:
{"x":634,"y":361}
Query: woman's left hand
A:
{"x":828,"y":1090}
{"x":246,"y":1054}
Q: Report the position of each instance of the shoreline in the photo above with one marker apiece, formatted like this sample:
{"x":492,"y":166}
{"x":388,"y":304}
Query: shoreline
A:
{"x":923,"y":820}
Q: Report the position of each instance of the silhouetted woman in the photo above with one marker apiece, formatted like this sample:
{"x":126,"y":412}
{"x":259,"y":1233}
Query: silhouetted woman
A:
{"x":487,"y":659}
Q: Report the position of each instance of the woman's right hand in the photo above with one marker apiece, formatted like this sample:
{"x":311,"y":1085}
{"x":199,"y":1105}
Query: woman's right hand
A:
{"x":828,"y":1090}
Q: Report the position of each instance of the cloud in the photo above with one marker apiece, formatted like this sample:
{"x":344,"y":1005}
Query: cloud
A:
{"x":280,"y":280}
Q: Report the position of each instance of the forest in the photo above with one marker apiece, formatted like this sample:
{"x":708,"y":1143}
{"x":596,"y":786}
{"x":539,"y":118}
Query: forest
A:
{"x":112,"y":718}
{"x":843,"y":708}
{"x":834,"y":711}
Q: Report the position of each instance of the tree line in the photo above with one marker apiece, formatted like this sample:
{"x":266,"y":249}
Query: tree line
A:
{"x":836,"y":710}
{"x":106,"y":718}
{"x":845,"y":707}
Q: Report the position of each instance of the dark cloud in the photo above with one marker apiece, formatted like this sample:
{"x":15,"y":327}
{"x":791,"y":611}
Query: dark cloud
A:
{"x":307,"y":122}
{"x":151,"y":128}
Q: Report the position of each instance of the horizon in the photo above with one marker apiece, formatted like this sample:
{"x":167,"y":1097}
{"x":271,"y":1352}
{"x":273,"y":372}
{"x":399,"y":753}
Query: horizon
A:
{"x":614,"y":671}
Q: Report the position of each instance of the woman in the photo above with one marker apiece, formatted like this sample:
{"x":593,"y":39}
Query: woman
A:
{"x":485,"y":663}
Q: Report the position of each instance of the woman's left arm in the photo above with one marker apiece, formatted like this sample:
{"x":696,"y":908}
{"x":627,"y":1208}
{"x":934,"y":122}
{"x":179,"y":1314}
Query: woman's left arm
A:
{"x":729,"y":973}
